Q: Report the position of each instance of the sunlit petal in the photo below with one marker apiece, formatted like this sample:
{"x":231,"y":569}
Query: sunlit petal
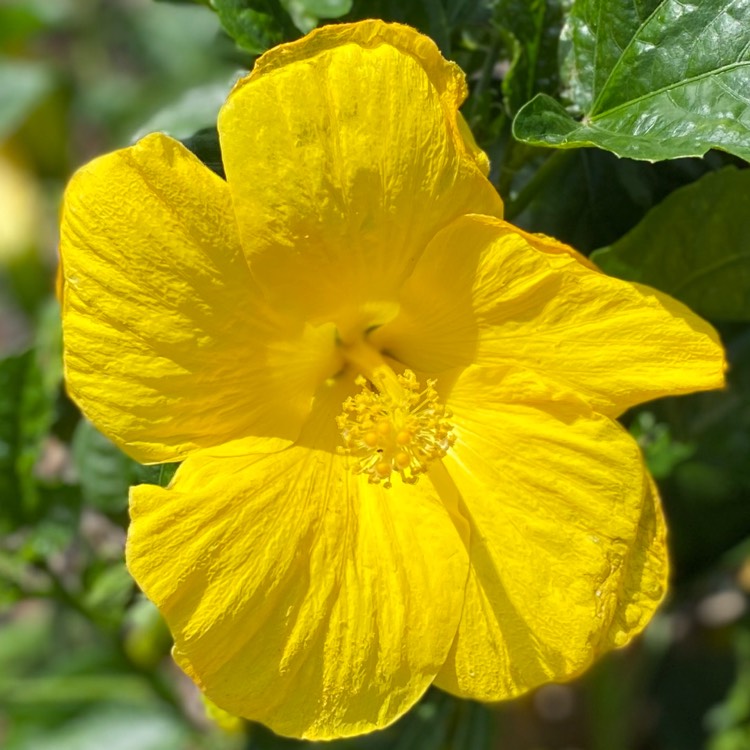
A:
{"x":168,"y":345}
{"x":340,"y":180}
{"x":298,"y":594}
{"x":485,"y":293}
{"x":567,"y":548}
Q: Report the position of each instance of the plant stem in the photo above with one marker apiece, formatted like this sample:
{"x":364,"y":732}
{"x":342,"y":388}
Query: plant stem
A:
{"x":554,"y":163}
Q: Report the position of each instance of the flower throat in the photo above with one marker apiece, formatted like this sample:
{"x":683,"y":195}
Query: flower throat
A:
{"x":393,"y":425}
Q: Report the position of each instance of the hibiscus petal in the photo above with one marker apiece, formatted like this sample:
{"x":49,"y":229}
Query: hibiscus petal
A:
{"x":167,"y":348}
{"x":298,"y":594}
{"x":568,"y":556}
{"x":344,"y":178}
{"x":484,"y":292}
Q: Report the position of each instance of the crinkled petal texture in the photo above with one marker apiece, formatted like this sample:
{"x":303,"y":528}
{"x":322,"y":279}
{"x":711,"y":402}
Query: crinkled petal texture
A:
{"x":485,"y":293}
{"x":568,"y":556}
{"x":168,"y":345}
{"x":535,"y":352}
{"x":298,"y":594}
{"x":345,"y":153}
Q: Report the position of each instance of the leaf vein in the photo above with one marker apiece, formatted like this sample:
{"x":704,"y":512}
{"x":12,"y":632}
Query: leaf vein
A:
{"x":670,"y":87}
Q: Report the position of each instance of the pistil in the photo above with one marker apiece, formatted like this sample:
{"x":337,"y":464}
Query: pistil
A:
{"x":393,"y":425}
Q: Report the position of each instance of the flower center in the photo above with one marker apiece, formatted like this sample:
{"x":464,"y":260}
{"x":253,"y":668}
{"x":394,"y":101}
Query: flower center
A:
{"x":393,"y":425}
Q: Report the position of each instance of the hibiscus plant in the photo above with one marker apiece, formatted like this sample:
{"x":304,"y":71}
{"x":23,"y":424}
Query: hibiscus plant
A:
{"x":352,"y":414}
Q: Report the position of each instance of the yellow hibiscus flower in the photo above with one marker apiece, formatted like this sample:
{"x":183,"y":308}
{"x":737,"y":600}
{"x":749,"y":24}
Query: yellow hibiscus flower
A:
{"x":396,"y":411}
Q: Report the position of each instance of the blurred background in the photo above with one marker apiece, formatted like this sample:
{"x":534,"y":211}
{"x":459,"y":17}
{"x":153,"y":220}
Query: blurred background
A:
{"x":84,"y":658}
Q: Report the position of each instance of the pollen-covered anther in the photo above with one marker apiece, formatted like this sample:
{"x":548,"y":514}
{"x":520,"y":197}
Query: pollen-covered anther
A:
{"x":399,"y":431}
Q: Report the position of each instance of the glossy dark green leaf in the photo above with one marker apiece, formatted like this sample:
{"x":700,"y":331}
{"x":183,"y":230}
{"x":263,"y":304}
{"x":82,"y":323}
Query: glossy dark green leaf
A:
{"x":593,"y":40}
{"x":660,"y":86}
{"x":255,"y":25}
{"x":589,"y":198}
{"x":695,"y":245}
{"x":205,"y":145}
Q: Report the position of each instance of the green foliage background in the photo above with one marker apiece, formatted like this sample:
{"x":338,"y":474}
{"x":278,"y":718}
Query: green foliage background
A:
{"x":619,"y":126}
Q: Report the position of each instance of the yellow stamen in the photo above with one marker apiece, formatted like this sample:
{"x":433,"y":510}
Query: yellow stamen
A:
{"x":393,"y":424}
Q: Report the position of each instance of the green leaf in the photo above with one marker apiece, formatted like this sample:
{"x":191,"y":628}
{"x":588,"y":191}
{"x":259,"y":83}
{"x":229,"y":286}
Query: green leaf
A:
{"x":658,"y":86}
{"x":17,"y":23}
{"x":58,"y":527}
{"x":113,"y":726}
{"x":48,"y":690}
{"x":48,"y":347}
{"x":105,"y":472}
{"x":535,"y":26}
{"x":109,"y":591}
{"x":589,"y":198}
{"x":186,"y":2}
{"x":705,"y":496}
{"x":327,"y":8}
{"x":594,"y":37}
{"x":449,"y":23}
{"x":205,"y":145}
{"x":474,"y":728}
{"x":195,"y":110}
{"x":147,"y":639}
{"x":12,"y":580}
{"x":27,"y":401}
{"x":22,"y":641}
{"x":23,"y":85}
{"x":307,"y":13}
{"x":729,"y":721}
{"x":255,"y":25}
{"x":661,"y":451}
{"x":695,"y":245}
{"x":160,"y":474}
{"x":13,"y":371}
{"x":166,"y":472}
